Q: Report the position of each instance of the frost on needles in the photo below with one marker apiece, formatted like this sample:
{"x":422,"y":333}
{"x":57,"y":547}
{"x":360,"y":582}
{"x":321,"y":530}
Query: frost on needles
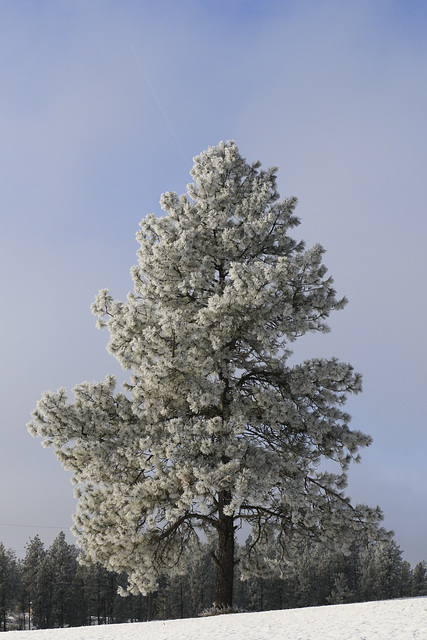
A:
{"x":215,"y":429}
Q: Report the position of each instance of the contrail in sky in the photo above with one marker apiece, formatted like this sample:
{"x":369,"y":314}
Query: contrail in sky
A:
{"x":162,"y":111}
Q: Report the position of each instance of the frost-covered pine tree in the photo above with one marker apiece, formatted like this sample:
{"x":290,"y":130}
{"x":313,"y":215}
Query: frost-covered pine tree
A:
{"x":215,"y":428}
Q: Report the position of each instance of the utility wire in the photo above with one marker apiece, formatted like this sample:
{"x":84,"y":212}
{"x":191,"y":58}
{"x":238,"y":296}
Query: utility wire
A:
{"x":32,"y":526}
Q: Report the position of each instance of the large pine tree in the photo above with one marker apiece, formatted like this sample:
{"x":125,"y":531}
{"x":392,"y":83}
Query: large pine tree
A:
{"x":215,"y":428}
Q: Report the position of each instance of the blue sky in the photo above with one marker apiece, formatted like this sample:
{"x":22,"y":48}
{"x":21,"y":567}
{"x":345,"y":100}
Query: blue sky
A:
{"x":104,"y":104}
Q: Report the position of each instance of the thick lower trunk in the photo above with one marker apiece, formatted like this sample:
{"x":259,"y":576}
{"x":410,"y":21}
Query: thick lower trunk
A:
{"x":150,"y":607}
{"x":225,"y":556}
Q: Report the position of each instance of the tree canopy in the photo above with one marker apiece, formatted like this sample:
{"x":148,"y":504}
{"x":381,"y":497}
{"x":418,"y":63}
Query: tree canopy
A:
{"x":215,"y":428}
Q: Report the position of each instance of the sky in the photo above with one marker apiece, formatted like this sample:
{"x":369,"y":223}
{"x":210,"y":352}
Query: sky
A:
{"x":103,"y":106}
{"x":403,"y":619}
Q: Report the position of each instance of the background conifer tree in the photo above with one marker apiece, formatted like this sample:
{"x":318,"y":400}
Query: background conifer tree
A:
{"x":9,"y":583}
{"x":419,"y":579}
{"x":34,"y":595}
{"x":62,"y":558}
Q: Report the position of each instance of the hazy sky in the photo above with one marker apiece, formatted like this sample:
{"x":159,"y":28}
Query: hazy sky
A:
{"x":103,"y":106}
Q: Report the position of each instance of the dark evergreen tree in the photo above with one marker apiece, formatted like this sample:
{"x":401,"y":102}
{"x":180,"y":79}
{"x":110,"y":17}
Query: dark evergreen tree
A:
{"x":405,"y":580}
{"x":43,"y":604}
{"x":383,"y":573}
{"x":388,"y":563}
{"x":419,"y":579}
{"x":100,"y":601}
{"x":33,"y":596}
{"x":9,"y":584}
{"x":201,"y":581}
{"x":62,"y":559}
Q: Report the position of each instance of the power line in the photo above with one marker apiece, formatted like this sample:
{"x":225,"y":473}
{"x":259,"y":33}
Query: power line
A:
{"x":32,"y":526}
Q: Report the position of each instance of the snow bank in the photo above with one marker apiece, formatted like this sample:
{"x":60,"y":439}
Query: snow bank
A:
{"x":387,"y":620}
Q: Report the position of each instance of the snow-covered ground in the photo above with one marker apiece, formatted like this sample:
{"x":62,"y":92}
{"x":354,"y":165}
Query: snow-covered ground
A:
{"x":386,"y":620}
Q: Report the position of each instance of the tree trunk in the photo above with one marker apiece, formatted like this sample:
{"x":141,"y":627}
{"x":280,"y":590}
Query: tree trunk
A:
{"x":150,"y":607}
{"x":225,"y":558}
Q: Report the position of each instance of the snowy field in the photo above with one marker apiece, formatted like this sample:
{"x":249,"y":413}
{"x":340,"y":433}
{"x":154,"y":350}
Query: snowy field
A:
{"x":388,"y":620}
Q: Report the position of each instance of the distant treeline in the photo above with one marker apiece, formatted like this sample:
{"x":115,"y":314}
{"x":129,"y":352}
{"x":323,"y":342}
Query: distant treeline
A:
{"x":49,"y":588}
